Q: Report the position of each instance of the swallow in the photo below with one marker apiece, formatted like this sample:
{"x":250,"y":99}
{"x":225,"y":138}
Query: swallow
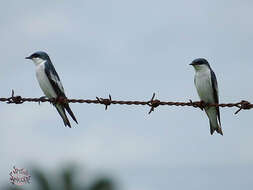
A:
{"x":50,"y":83}
{"x":207,"y":88}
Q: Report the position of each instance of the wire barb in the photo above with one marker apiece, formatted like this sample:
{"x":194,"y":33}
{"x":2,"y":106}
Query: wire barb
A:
{"x":14,"y":99}
{"x":105,"y":101}
{"x":243,"y":105}
{"x":153,"y":104}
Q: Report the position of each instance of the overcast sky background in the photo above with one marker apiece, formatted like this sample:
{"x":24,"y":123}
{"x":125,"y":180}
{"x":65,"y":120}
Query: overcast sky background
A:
{"x":130,"y":49}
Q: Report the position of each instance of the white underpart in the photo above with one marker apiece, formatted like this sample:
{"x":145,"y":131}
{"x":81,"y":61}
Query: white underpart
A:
{"x":203,"y":83}
{"x":44,"y":82}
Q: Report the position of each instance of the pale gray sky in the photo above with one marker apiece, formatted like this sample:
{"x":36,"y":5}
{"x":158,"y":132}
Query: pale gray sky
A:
{"x":130,"y":49}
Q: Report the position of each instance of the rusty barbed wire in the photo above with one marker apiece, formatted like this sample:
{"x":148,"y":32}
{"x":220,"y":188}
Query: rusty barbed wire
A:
{"x":152,"y":103}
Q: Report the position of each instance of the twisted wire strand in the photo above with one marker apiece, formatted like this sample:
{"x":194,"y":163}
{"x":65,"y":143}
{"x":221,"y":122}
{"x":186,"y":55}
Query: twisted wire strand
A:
{"x":152,"y":103}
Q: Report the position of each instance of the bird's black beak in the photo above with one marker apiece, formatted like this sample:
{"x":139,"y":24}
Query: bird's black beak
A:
{"x":192,"y":64}
{"x":28,"y":57}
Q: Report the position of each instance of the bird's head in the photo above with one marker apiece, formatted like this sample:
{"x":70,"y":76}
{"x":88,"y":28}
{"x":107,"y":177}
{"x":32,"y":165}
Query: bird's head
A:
{"x":200,"y":64}
{"x":39,"y":57}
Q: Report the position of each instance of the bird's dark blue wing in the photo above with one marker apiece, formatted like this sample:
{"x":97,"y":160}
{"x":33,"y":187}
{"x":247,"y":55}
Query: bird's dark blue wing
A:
{"x":54,"y":79}
{"x":215,"y":92}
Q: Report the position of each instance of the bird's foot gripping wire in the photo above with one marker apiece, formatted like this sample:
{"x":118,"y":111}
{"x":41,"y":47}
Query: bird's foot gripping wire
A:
{"x":61,"y":100}
{"x":201,"y":104}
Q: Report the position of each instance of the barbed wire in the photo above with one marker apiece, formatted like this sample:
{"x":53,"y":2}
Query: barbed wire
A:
{"x":152,"y":103}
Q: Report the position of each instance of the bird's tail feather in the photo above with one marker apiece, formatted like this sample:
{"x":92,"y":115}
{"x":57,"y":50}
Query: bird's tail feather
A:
{"x":63,"y":115}
{"x":217,"y":129}
{"x":66,"y":106}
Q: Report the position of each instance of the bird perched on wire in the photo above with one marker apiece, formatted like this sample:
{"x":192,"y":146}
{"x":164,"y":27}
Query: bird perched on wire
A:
{"x":50,"y":83}
{"x":207,"y":88}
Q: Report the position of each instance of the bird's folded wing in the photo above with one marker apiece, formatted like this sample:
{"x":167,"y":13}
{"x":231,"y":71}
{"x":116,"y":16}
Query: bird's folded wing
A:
{"x":54,"y":80}
{"x":215,"y":92}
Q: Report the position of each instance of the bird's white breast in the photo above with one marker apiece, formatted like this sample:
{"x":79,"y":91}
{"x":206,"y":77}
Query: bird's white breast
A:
{"x":203,"y":85}
{"x":44,"y":81}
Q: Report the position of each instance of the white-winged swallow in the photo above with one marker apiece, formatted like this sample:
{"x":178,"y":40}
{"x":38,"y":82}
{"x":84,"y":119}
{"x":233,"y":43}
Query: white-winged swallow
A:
{"x":207,"y":88}
{"x":50,"y":83}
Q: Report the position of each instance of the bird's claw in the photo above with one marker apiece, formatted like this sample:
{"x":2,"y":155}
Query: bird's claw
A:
{"x":202,"y":105}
